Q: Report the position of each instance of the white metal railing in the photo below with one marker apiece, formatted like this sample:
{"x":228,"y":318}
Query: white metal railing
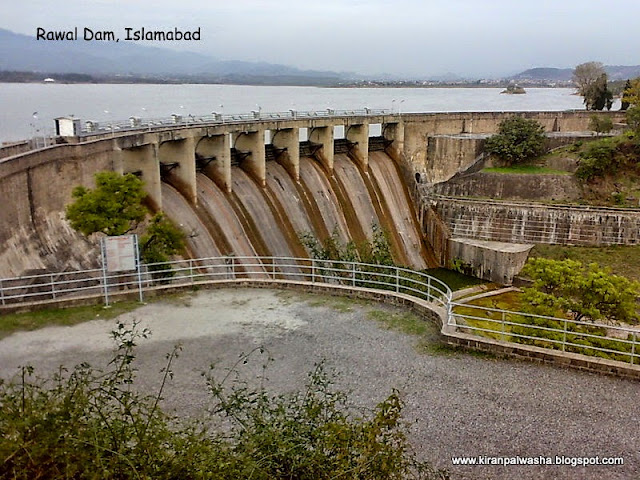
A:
{"x":137,"y":123}
{"x":530,"y":231}
{"x":97,"y":282}
{"x":616,"y":342}
{"x":587,"y":338}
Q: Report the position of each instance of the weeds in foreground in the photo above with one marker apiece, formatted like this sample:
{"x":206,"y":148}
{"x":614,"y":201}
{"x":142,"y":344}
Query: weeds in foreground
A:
{"x":90,"y":423}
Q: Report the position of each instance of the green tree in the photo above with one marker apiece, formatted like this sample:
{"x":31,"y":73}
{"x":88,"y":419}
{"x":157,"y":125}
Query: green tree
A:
{"x":600,"y":124}
{"x":114,"y":207}
{"x":161,"y":240}
{"x":624,"y":101}
{"x":598,"y":96}
{"x":631,"y":98}
{"x":631,"y":94}
{"x":588,"y":78}
{"x":586,"y":291}
{"x":518,"y":139}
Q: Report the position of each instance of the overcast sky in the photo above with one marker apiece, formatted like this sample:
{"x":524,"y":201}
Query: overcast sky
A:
{"x":402,"y":37}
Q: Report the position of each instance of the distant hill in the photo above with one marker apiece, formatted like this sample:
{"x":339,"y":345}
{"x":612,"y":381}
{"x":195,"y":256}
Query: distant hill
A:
{"x":615,"y":72}
{"x":25,"y":53}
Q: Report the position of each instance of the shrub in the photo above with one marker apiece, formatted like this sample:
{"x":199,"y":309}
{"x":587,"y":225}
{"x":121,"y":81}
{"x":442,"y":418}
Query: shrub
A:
{"x":600,"y":124}
{"x":518,"y":139}
{"x":90,"y":424}
{"x":598,"y":158}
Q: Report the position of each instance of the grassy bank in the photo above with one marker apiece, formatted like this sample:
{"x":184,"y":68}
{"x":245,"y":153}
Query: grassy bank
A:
{"x":526,"y":169}
{"x":623,"y":260}
{"x":26,"y":321}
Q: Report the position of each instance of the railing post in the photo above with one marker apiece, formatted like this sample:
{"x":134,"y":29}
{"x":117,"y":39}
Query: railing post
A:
{"x":633,"y":347}
{"x":503,"y":325}
{"x":397,"y":279}
{"x":353,"y":274}
{"x":313,"y":270}
{"x":429,"y":296}
{"x":233,"y":268}
{"x":564,"y":336}
{"x":273,"y":268}
{"x":139,"y":272}
{"x":53,"y":287}
{"x":2,"y":293}
{"x":191,"y":269}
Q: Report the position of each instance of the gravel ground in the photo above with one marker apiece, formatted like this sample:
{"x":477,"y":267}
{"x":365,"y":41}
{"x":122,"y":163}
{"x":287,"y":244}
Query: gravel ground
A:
{"x":456,"y":404}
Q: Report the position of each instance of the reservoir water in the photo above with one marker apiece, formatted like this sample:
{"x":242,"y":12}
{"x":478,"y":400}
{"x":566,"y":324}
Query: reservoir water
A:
{"x":20,"y":102}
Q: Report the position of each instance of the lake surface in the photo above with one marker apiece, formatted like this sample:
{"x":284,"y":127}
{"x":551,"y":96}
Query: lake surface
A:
{"x":18,"y":102}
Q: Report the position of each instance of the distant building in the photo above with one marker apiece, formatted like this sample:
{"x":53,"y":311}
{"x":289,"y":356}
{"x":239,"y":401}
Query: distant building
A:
{"x":49,"y":80}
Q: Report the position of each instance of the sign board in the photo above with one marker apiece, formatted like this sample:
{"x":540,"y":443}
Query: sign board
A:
{"x":120,"y":253}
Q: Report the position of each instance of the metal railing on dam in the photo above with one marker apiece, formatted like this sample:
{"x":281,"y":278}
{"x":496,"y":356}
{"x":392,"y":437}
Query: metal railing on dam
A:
{"x":133,"y":124}
{"x":516,"y":330}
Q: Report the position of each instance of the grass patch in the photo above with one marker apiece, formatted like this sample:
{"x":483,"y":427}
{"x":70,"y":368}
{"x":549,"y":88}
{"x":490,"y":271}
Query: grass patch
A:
{"x":26,"y":321}
{"x":337,"y":303}
{"x":405,"y":322}
{"x":505,"y":301}
{"x":455,"y":280}
{"x":526,"y":169}
{"x":427,"y":333}
{"x":622,"y":259}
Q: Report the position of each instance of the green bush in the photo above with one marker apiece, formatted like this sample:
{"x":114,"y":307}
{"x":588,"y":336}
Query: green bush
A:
{"x":94,"y":424}
{"x":598,"y":158}
{"x":518,"y":139}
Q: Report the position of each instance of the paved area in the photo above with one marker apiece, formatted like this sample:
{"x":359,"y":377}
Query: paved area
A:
{"x":456,"y":404}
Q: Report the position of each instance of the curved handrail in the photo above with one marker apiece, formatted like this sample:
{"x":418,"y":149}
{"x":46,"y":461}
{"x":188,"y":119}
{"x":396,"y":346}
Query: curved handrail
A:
{"x":67,"y":285}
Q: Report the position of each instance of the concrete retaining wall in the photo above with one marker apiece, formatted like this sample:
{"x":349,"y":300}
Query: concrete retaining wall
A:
{"x":509,"y":186}
{"x":494,"y":261}
{"x":520,"y":223}
{"x":8,"y":150}
{"x":35,"y":189}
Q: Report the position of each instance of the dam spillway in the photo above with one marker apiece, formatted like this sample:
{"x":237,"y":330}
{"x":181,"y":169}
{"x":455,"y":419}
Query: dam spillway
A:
{"x":270,"y":220}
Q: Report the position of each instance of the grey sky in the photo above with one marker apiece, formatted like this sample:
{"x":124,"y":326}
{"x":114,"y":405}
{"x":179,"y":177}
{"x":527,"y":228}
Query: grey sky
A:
{"x":403,"y":37}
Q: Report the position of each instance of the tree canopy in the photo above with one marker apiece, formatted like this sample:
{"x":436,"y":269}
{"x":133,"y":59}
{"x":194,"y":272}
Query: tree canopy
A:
{"x":600,"y":124}
{"x":518,"y":139}
{"x":114,"y":207}
{"x":586,"y":291}
{"x":161,"y":240}
{"x":591,"y":81}
{"x":631,"y":100}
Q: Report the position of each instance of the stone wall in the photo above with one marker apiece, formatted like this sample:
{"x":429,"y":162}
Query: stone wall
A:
{"x":509,"y":186}
{"x":521,"y":223}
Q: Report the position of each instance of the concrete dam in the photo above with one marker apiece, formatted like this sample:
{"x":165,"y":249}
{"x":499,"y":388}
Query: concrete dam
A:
{"x":249,"y":186}
{"x":268,"y":221}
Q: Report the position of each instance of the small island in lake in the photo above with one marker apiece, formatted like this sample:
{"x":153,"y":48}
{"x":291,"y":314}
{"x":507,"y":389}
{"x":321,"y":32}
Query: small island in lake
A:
{"x":514,"y":90}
